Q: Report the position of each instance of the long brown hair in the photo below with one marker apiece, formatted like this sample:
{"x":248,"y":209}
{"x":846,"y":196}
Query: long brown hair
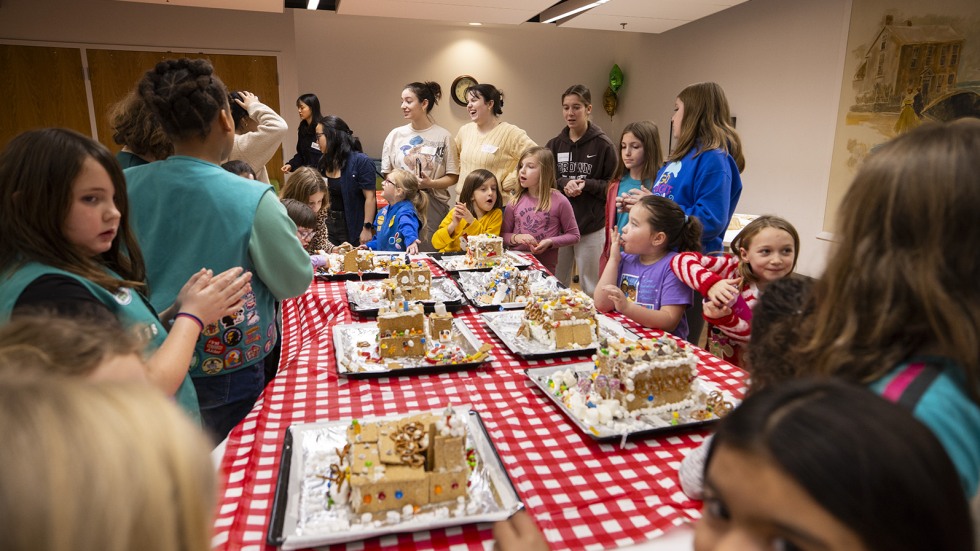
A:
{"x":302,"y":184}
{"x":904,"y":279}
{"x":547,"y":182}
{"x":473,"y":182}
{"x":653,"y":154}
{"x":706,"y":123}
{"x":744,"y":240}
{"x":37,"y":171}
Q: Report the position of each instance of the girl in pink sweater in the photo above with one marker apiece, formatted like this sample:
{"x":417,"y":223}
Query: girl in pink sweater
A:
{"x":540,"y":219}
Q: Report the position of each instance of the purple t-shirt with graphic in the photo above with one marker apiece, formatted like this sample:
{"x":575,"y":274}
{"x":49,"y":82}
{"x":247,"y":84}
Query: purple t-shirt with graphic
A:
{"x":654,"y":285}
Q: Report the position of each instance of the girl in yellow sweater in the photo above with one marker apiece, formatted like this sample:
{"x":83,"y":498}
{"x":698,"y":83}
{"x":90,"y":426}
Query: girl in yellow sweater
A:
{"x":477,"y":212}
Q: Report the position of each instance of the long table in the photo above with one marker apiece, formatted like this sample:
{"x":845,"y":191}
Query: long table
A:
{"x":583,"y":495}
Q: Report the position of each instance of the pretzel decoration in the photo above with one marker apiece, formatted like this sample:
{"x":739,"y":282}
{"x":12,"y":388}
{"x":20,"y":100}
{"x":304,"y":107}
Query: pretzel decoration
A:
{"x":408,"y":444}
{"x":717,"y":404}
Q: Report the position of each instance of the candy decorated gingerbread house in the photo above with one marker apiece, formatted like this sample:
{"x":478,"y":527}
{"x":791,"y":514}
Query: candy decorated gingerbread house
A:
{"x":564,"y":319}
{"x":484,"y":250}
{"x":412,"y":462}
{"x":505,"y":283}
{"x":651,"y":373}
{"x":407,"y":281}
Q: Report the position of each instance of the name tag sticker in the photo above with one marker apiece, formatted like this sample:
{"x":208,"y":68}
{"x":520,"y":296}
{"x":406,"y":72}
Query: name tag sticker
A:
{"x":429,"y":150}
{"x":488,"y":148}
{"x":315,"y":145}
{"x":564,"y":157}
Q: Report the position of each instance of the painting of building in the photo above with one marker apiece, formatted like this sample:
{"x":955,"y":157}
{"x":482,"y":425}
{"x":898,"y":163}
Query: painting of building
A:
{"x":906,"y":59}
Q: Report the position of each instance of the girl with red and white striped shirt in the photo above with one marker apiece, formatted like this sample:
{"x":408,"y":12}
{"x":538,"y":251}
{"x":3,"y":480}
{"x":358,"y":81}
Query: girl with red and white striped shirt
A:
{"x":764,"y":251}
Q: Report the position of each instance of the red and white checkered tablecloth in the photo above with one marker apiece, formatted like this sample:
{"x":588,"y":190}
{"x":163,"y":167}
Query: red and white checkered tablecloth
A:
{"x":583,"y":495}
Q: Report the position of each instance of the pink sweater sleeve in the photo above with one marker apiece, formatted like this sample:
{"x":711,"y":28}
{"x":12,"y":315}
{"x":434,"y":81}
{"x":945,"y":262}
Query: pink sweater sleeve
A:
{"x":507,"y":226}
{"x":569,"y":233}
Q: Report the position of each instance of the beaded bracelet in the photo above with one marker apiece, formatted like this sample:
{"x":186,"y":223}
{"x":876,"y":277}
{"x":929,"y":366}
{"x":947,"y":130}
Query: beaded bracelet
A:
{"x":191,"y":317}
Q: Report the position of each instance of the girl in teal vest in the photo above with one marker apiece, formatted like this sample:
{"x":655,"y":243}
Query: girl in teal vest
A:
{"x":67,"y":248}
{"x":397,"y":225}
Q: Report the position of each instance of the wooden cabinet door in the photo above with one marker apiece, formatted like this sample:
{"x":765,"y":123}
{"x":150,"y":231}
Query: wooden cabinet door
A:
{"x":56,"y":99}
{"x":115,"y":72}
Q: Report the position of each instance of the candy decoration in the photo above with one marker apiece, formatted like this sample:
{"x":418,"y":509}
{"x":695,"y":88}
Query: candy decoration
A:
{"x":399,"y":494}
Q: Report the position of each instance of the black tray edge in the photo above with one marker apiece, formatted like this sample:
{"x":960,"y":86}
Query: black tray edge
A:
{"x":496,"y":456}
{"x":278,"y":515}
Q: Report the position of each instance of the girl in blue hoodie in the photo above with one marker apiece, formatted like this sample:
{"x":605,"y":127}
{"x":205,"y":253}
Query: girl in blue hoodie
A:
{"x":397,"y":225}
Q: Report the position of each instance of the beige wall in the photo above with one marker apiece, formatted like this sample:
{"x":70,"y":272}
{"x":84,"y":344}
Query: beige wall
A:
{"x":357,"y":66}
{"x":780,"y":61}
{"x":780,"y":64}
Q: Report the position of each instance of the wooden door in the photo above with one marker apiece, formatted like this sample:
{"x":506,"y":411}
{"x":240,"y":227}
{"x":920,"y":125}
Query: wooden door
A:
{"x":58,"y":99}
{"x":115,"y":72}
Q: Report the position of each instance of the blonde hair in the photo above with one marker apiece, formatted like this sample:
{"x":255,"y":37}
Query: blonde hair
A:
{"x":547,"y":182}
{"x":904,"y":280}
{"x":48,"y":344}
{"x":744,"y":240}
{"x":302,"y":184}
{"x":124,"y":450}
{"x":410,"y":185}
{"x":706,"y":123}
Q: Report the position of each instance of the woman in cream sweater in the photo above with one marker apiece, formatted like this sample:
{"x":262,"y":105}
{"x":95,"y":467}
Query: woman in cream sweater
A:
{"x":487,"y":142}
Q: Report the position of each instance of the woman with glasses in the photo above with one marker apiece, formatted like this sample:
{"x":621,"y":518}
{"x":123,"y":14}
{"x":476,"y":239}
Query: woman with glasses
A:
{"x":425,"y":149}
{"x":350,"y":183}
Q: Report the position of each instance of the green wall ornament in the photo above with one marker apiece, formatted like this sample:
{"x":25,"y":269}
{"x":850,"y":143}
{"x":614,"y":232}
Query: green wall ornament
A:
{"x":615,"y":78}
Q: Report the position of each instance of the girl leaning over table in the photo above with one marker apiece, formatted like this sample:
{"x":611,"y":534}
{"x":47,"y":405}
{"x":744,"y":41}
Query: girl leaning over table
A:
{"x":68,"y":249}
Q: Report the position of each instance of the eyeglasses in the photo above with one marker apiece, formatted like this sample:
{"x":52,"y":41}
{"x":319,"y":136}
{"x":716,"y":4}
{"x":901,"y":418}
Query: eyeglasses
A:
{"x":305,"y":233}
{"x":319,"y":134}
{"x":387,"y":181}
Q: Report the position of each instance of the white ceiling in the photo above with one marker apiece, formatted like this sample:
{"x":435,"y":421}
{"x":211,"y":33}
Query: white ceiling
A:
{"x":643,"y":16}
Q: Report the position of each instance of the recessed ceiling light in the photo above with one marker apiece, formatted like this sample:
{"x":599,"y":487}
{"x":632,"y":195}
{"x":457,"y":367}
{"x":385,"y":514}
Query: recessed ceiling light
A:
{"x":476,"y":24}
{"x":312,"y":4}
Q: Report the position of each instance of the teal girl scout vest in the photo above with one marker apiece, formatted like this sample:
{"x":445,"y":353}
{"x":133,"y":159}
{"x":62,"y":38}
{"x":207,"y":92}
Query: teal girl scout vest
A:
{"x":129,"y":307}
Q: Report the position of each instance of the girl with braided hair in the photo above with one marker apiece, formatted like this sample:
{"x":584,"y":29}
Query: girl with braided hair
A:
{"x":188,"y":212}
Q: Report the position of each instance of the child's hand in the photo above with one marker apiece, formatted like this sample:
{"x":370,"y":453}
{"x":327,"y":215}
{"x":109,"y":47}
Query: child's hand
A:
{"x":615,"y":242}
{"x":634,"y":197}
{"x":524,"y":239}
{"x":617,"y":296}
{"x":318,"y":260}
{"x":212,"y":298}
{"x":464,"y":213}
{"x":542,"y":246}
{"x":724,"y":292}
{"x":715,"y":312}
{"x":286,"y":169}
{"x":414,"y":247}
{"x":203,"y":275}
{"x":573,"y":188}
{"x":519,"y":533}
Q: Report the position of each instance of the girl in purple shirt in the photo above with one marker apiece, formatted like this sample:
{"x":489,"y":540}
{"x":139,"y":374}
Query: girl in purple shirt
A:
{"x":540,"y":219}
{"x":639,"y":282}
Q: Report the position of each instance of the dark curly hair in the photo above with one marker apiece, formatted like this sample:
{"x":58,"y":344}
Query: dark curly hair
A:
{"x":185,"y":95}
{"x":135,"y":126}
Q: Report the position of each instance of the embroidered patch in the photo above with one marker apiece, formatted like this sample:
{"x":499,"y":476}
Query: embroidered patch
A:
{"x":123,"y":296}
{"x":232,"y":336}
{"x":233,"y":359}
{"x":252,"y":352}
{"x":214,"y":346}
{"x":211,"y":329}
{"x":212,"y":366}
{"x":253,"y":317}
{"x":253,"y":334}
